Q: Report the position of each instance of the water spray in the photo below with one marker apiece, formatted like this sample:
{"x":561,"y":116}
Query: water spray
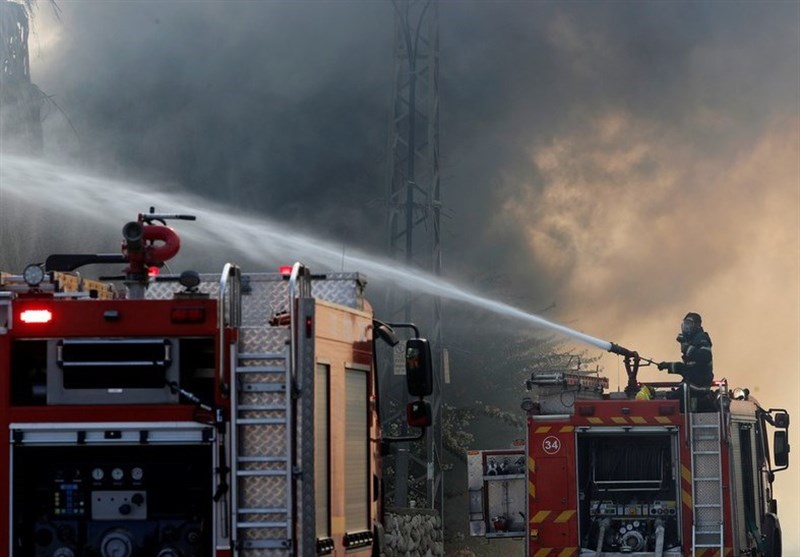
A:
{"x":251,"y":236}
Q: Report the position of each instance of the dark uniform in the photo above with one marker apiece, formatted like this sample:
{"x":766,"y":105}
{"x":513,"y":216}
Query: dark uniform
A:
{"x":696,"y":367}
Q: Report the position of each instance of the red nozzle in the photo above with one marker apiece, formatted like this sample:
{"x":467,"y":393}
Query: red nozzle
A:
{"x":140,"y":247}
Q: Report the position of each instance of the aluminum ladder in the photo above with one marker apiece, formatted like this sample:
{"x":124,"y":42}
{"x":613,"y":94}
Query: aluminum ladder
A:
{"x":263,"y":450}
{"x":707,"y":524}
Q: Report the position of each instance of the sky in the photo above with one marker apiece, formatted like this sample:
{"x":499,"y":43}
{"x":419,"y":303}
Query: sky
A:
{"x":620,"y":162}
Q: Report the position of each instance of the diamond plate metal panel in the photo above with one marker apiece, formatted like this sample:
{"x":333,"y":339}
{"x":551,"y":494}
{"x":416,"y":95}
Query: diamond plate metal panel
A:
{"x":263,"y":492}
{"x":708,"y":516}
{"x":708,"y":492}
{"x":706,"y":466}
{"x":263,"y":339}
{"x":705,"y":418}
{"x":268,"y":293}
{"x":346,"y":289}
{"x":706,"y":441}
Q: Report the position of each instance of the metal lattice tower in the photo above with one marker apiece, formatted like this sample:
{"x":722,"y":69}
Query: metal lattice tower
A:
{"x":413,"y":218}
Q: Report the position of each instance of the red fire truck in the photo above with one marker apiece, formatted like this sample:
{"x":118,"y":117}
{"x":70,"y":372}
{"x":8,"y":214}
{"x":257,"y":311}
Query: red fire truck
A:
{"x":189,"y":415}
{"x":612,"y":474}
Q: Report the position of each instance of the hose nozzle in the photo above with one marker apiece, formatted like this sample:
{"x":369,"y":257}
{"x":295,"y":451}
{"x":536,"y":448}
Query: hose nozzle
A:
{"x":622,"y":351}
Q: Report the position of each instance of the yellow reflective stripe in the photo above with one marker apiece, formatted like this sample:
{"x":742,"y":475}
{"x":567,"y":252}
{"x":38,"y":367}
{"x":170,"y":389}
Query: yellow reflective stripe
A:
{"x":638,"y":420}
{"x":687,"y":498}
{"x":592,"y":420}
{"x":619,"y":420}
{"x":707,"y":553}
{"x":540,"y":517}
{"x":663,"y":420}
{"x":547,"y":551}
{"x":532,"y":470}
{"x":567,"y":429}
{"x":543,"y":429}
{"x":685,"y":474}
{"x":563,"y":517}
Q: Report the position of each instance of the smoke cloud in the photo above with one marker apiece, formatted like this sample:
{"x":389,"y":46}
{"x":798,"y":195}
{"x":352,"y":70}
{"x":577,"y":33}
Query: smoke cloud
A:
{"x":627,"y":162}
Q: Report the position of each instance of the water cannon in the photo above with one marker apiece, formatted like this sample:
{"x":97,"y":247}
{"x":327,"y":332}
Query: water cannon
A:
{"x":622,"y":351}
{"x":632,"y":361}
{"x":628,"y":353}
{"x":147,"y":245}
{"x":141,"y":249}
{"x":133,"y":233}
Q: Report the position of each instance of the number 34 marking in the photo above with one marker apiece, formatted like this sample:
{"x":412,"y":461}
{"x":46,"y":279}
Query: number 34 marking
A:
{"x":551,"y":445}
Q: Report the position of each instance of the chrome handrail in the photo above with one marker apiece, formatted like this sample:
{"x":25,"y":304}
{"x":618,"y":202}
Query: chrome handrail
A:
{"x":233,"y":317}
{"x":299,"y":286}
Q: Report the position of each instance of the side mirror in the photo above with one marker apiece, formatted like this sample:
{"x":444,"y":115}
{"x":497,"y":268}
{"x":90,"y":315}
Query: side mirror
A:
{"x":419,"y":372}
{"x":418,"y":413}
{"x":780,"y":444}
{"x":781,"y":420}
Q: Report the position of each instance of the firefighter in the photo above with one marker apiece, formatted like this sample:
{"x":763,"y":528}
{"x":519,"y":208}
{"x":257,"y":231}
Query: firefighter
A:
{"x":697,"y":367}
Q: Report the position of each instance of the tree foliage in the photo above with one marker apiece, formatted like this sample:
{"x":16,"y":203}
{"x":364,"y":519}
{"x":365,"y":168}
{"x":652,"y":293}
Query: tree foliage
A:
{"x":495,"y":368}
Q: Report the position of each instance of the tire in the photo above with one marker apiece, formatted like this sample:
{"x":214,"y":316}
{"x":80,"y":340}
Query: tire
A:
{"x":771,"y":534}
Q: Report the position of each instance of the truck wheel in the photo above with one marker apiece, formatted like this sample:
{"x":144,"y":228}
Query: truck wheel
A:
{"x":771,"y":532}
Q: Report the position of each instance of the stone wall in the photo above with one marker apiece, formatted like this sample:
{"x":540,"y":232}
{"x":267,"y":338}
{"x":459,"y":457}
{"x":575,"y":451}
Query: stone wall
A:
{"x":412,"y":533}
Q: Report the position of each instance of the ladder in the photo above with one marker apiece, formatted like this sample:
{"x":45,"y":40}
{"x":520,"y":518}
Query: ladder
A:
{"x":267,"y":460}
{"x":707,"y":527}
{"x":263,"y":448}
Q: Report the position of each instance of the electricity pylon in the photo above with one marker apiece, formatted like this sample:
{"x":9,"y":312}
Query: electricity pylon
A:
{"x":413,"y":222}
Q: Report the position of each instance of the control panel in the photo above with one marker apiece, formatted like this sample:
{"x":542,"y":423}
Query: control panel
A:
{"x":121,"y":501}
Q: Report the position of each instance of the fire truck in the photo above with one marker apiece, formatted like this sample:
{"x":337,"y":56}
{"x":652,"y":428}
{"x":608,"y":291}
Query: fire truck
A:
{"x":185,"y":415}
{"x":675,"y":472}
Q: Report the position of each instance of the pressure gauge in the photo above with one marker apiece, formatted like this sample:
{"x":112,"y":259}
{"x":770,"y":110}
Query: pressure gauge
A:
{"x":137,"y":474}
{"x":117,"y":474}
{"x":33,"y":275}
{"x":98,"y":474}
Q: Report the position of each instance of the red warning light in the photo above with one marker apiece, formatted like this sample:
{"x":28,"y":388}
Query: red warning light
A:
{"x":285,"y":270}
{"x":152,"y":271}
{"x":188,"y":315}
{"x":36,"y":316}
